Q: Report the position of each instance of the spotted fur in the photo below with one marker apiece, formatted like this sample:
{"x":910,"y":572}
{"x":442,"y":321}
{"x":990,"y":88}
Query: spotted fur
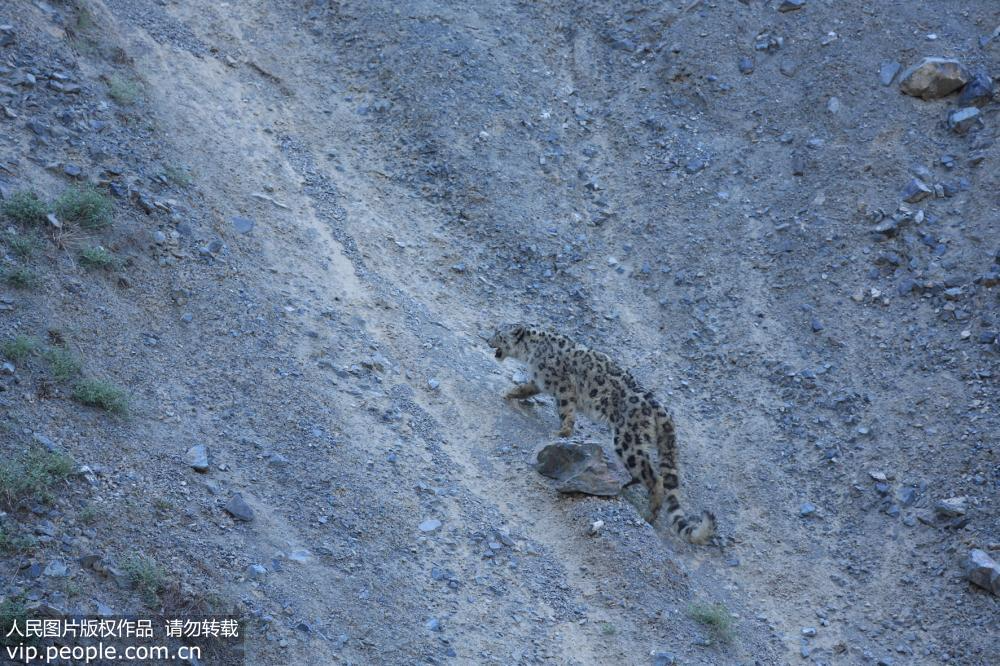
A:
{"x":589,"y":381}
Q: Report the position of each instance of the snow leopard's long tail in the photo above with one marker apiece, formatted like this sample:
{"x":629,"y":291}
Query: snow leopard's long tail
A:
{"x":696,"y":529}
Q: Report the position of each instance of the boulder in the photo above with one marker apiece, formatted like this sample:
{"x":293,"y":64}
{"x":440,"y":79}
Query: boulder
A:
{"x":932,"y":78}
{"x":582,"y":467}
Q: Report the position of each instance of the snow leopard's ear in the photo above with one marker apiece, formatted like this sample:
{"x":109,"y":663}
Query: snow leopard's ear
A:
{"x":519,"y":332}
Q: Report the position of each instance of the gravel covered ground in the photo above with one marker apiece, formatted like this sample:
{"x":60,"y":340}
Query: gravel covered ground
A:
{"x":320,"y":209}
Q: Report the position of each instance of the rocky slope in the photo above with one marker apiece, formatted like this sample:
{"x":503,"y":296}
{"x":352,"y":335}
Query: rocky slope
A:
{"x":320,"y":209}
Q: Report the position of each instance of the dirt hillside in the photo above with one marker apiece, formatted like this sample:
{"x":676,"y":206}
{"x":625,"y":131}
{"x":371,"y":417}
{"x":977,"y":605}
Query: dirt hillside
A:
{"x":281,"y":231}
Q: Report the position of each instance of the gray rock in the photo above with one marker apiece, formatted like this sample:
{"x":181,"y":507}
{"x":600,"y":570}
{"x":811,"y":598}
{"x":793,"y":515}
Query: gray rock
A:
{"x":932,"y":78}
{"x":239,"y":509}
{"x":915,"y":190}
{"x":951,"y":507}
{"x":746,"y":65}
{"x":7,"y":35}
{"x":243,"y":225}
{"x":45,"y":441}
{"x":275,"y":459}
{"x":433,"y":624}
{"x":978,"y":91}
{"x":197,"y":458}
{"x":664,"y":659}
{"x":582,"y":467}
{"x":56,"y":569}
{"x":433,"y":384}
{"x":983,"y":570}
{"x":430,"y":525}
{"x":887,"y":72}
{"x":807,"y":509}
{"x":962,"y":120}
{"x":300,"y":555}
{"x":791,"y":5}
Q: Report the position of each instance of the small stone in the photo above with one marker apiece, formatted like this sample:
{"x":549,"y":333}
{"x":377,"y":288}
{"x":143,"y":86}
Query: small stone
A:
{"x":596,"y":526}
{"x":7,"y":35}
{"x":72,"y":170}
{"x":239,"y":509}
{"x":56,"y":569}
{"x":746,"y":65}
{"x":833,"y":105}
{"x":983,"y":570}
{"x":664,"y":659}
{"x":187,"y":317}
{"x":791,"y":5}
{"x":964,"y":119}
{"x":816,"y":325}
{"x":915,"y":191}
{"x":243,"y":225}
{"x":433,"y":384}
{"x":256,"y":571}
{"x":887,"y":72}
{"x":932,"y":78}
{"x":430,"y":525}
{"x":197,"y":458}
{"x":53,"y":221}
{"x":798,"y":163}
{"x":433,"y":624}
{"x":300,"y":555}
{"x":7,"y":368}
{"x":275,"y":459}
{"x":808,"y":632}
{"x":807,"y":509}
{"x":951,"y":507}
{"x":788,"y":67}
{"x":978,"y":91}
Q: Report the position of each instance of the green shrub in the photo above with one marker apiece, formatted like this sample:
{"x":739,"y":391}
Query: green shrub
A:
{"x":18,"y":348}
{"x":84,"y":206}
{"x":31,"y":476}
{"x":716,"y":617}
{"x":12,"y":611}
{"x":102,"y":394}
{"x":16,"y":544}
{"x":123,"y":91}
{"x":19,"y":278}
{"x":25,"y":208}
{"x":98,"y":257}
{"x":22,"y":246}
{"x":63,"y":365}
{"x":147,"y":575}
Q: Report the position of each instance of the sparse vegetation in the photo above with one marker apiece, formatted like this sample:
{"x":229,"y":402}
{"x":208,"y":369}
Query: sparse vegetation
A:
{"x":85,"y":207}
{"x":31,"y":476}
{"x":98,"y":257}
{"x":147,"y":575}
{"x":12,"y":609}
{"x":15,"y":544}
{"x":89,"y":514}
{"x":19,"y":278}
{"x":122,"y":90}
{"x":63,"y":365}
{"x":178,"y":176}
{"x":716,"y":617}
{"x":22,"y":246}
{"x":101,"y":394}
{"x":24,"y":208}
{"x":19,"y":347}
